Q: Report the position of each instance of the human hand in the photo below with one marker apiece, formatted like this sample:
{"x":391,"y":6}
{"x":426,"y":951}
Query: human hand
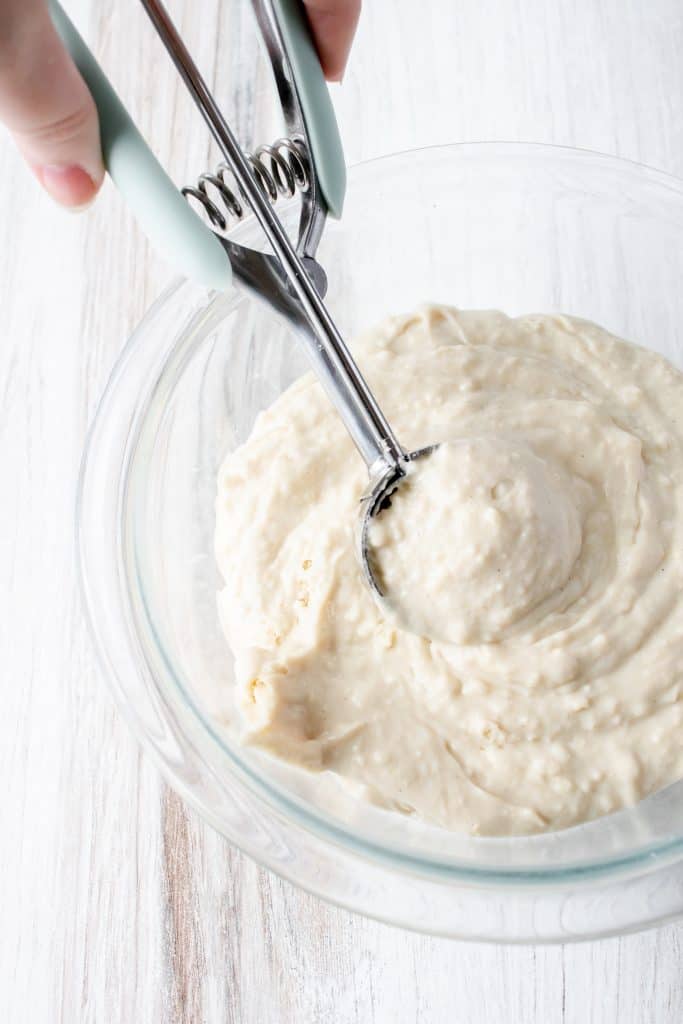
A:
{"x":46,"y":105}
{"x":51,"y":115}
{"x":333,"y":23}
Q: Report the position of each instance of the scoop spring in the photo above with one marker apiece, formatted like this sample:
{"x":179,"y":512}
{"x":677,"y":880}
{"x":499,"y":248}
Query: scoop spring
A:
{"x":281,"y":169}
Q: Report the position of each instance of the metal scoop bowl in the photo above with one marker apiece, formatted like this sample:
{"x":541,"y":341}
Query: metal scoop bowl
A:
{"x":376,"y":501}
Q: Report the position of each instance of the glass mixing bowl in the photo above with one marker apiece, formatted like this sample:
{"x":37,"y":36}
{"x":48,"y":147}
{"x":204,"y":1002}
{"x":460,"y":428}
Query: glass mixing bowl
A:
{"x":516,"y":227}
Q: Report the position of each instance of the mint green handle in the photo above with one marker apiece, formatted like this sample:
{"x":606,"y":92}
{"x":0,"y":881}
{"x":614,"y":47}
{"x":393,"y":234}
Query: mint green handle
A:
{"x":162,"y":212}
{"x":321,"y":124}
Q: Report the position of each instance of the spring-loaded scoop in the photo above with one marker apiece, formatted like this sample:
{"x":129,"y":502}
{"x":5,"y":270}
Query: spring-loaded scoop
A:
{"x":289,"y":278}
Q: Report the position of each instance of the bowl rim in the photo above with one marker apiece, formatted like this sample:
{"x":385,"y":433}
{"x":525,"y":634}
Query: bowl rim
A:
{"x":644,"y":858}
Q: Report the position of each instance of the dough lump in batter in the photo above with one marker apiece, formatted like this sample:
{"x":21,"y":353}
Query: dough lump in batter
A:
{"x":479,"y":534}
{"x":543,"y":686}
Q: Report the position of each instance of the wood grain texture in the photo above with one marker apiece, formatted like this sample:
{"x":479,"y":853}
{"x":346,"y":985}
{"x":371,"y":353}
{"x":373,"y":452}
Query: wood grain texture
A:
{"x":117,"y":904}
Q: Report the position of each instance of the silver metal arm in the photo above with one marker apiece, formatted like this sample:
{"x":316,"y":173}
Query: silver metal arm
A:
{"x":313,"y":209}
{"x":301,"y":303}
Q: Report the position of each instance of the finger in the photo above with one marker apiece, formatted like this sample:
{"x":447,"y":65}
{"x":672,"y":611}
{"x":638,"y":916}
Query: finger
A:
{"x":46,"y":105}
{"x":334,"y":25}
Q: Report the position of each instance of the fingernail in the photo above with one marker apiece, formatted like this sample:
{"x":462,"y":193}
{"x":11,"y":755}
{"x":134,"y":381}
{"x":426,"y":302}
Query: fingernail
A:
{"x":69,"y":184}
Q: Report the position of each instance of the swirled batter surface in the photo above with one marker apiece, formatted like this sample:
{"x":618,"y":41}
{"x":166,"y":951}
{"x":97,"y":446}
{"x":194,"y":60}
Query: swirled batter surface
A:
{"x":538,"y":553}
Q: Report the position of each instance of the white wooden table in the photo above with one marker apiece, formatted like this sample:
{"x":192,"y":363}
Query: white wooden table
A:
{"x":117,"y":904}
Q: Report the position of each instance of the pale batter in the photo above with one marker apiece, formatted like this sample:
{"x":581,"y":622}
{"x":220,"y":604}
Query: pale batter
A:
{"x":544,"y":537}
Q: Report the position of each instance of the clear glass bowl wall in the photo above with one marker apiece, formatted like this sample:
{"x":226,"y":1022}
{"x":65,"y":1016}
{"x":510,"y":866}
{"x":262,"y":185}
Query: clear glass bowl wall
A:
{"x":519,"y":228}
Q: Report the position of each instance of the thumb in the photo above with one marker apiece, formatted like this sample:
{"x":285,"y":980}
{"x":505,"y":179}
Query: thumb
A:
{"x":46,"y":105}
{"x":334,"y":24}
